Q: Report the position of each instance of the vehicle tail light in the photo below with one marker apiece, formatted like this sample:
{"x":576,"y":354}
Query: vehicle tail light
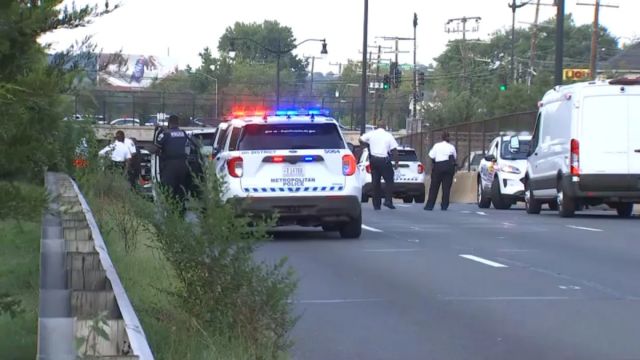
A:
{"x":420,"y":168}
{"x":368,"y":167}
{"x":574,"y":159}
{"x":277,"y":159}
{"x":235,"y":166}
{"x":348,"y":165}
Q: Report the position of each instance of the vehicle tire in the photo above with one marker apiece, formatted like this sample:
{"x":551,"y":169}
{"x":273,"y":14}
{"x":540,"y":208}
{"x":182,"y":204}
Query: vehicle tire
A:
{"x":419,"y":199}
{"x":365,"y":198}
{"x":352,"y":229}
{"x":407,"y":199}
{"x":498,"y":201}
{"x":566,"y":204}
{"x":624,"y":210}
{"x":531,"y":204}
{"x":483,"y":201}
{"x":553,"y":205}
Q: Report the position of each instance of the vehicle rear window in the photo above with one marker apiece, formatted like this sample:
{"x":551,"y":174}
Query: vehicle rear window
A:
{"x":407,"y":155}
{"x":290,"y":136}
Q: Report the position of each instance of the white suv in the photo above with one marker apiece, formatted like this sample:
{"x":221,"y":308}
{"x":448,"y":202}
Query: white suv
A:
{"x":408,"y":178}
{"x":501,"y":171}
{"x":295,"y":164}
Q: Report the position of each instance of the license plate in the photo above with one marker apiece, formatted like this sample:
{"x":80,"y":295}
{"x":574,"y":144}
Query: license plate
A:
{"x":293,"y":171}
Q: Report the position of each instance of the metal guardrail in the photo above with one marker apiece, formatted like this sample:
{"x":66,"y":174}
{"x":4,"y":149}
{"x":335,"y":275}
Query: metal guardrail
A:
{"x":78,"y":281}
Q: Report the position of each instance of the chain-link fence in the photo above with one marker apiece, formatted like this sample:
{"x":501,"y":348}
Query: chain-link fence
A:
{"x":108,"y":105}
{"x":470,"y":139}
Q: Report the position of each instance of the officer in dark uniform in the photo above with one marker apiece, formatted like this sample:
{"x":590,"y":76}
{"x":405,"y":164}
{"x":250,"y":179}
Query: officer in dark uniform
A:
{"x":172,"y":144}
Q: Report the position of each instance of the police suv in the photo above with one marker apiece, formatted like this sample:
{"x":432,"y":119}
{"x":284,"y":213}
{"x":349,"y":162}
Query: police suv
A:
{"x":501,"y":171}
{"x":293,"y":163}
{"x":408,"y":177}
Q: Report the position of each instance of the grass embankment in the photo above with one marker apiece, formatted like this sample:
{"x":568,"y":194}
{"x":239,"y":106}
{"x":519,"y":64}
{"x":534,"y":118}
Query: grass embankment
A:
{"x":148,"y":278}
{"x":19,"y":274}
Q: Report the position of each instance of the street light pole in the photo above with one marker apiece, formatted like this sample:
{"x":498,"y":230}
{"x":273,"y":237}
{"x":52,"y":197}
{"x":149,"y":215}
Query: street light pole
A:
{"x":216,"y":81}
{"x":363,"y":121}
{"x":415,"y":73}
{"x":279,"y":52}
{"x":514,"y":7}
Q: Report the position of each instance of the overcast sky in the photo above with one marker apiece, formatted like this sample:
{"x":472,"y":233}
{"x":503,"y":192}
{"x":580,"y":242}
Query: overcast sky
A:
{"x":183,"y":28}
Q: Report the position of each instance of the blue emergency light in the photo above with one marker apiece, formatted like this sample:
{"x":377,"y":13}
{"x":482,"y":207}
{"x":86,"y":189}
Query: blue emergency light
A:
{"x":302,"y":112}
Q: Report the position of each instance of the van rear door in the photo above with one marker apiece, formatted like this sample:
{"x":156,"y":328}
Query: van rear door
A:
{"x":604,"y":135}
{"x":634,"y":133}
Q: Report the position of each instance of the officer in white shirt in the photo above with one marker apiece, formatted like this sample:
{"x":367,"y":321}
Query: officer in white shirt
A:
{"x":443,"y":158}
{"x":118,"y":151}
{"x":381,"y":143}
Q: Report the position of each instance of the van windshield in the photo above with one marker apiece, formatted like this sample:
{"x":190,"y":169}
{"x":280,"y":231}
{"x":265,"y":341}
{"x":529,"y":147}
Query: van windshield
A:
{"x":520,"y":154}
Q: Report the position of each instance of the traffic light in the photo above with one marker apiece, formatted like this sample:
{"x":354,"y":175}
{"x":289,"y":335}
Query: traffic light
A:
{"x":395,"y":74}
{"x":386,"y":82}
{"x":503,"y":86}
{"x":398,"y":78}
{"x":421,"y":80}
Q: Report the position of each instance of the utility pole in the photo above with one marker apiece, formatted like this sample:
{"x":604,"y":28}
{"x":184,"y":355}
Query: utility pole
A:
{"x":595,"y":34}
{"x":514,"y":7}
{"x":364,"y":89}
{"x":449,"y":28}
{"x":313,"y":62}
{"x":534,"y":38}
{"x":375,"y":88}
{"x":339,"y":65}
{"x":415,"y":73}
{"x":559,"y":41}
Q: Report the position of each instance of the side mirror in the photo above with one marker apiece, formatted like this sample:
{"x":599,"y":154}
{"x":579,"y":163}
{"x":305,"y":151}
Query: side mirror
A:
{"x":490,"y":158}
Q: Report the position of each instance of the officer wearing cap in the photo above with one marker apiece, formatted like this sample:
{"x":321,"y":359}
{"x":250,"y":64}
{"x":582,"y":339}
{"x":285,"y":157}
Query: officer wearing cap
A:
{"x":172,"y":144}
{"x":443,"y":157}
{"x":381,"y":144}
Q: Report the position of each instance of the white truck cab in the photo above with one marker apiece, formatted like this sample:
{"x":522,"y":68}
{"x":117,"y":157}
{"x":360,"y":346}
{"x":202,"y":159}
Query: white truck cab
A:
{"x":586,"y":147}
{"x":293,"y":163}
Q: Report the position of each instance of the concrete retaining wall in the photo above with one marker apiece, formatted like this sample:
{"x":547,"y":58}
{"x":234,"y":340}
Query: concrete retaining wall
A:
{"x":78,"y":283}
{"x":463,"y":189}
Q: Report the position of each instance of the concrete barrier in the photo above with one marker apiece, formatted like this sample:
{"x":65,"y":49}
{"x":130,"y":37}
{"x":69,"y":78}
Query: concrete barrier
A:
{"x":78,"y":282}
{"x":463,"y":189}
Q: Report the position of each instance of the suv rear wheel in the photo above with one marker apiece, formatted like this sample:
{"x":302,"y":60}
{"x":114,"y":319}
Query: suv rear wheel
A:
{"x":407,"y":199}
{"x":352,"y":229}
{"x":419,"y":199}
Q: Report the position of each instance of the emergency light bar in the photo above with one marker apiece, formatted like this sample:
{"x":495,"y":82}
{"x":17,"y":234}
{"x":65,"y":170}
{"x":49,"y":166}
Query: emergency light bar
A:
{"x":280,"y":112}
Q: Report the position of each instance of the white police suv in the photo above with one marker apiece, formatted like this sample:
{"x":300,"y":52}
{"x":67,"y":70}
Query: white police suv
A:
{"x":293,"y":163}
{"x":501,"y":171}
{"x":408,"y":177}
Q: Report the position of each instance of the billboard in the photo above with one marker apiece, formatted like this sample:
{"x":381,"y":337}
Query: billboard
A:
{"x":576,"y":74}
{"x":137,"y":71}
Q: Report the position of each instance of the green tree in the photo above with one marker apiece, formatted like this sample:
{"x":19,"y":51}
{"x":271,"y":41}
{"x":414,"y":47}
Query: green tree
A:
{"x":479,"y":68}
{"x":265,"y":41}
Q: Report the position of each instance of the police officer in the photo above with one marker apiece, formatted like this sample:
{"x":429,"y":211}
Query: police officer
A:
{"x":172,"y":145}
{"x":118,"y":151}
{"x":443,"y":157}
{"x":381,"y":143}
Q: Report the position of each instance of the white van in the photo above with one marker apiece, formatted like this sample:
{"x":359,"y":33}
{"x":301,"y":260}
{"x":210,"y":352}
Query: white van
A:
{"x":586,"y":148}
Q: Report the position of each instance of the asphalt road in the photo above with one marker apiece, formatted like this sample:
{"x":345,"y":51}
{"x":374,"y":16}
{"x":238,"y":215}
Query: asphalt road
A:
{"x":467,"y":284}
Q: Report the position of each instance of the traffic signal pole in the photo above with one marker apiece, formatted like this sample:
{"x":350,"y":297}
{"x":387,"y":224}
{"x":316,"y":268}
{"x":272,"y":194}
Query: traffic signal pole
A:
{"x":559,"y":41}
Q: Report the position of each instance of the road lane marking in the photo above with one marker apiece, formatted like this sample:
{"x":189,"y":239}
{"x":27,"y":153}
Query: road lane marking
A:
{"x":391,"y":250}
{"x":465,"y":212}
{"x":335,"y":301}
{"x":515,"y":250}
{"x":484,"y":261}
{"x":505,"y":298}
{"x":481,"y":213}
{"x":402,"y":205}
{"x":584,"y":228}
{"x":370,"y":228}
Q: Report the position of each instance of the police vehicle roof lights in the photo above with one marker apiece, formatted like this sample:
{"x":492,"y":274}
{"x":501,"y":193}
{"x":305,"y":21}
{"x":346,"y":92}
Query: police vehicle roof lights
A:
{"x":313,"y":112}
